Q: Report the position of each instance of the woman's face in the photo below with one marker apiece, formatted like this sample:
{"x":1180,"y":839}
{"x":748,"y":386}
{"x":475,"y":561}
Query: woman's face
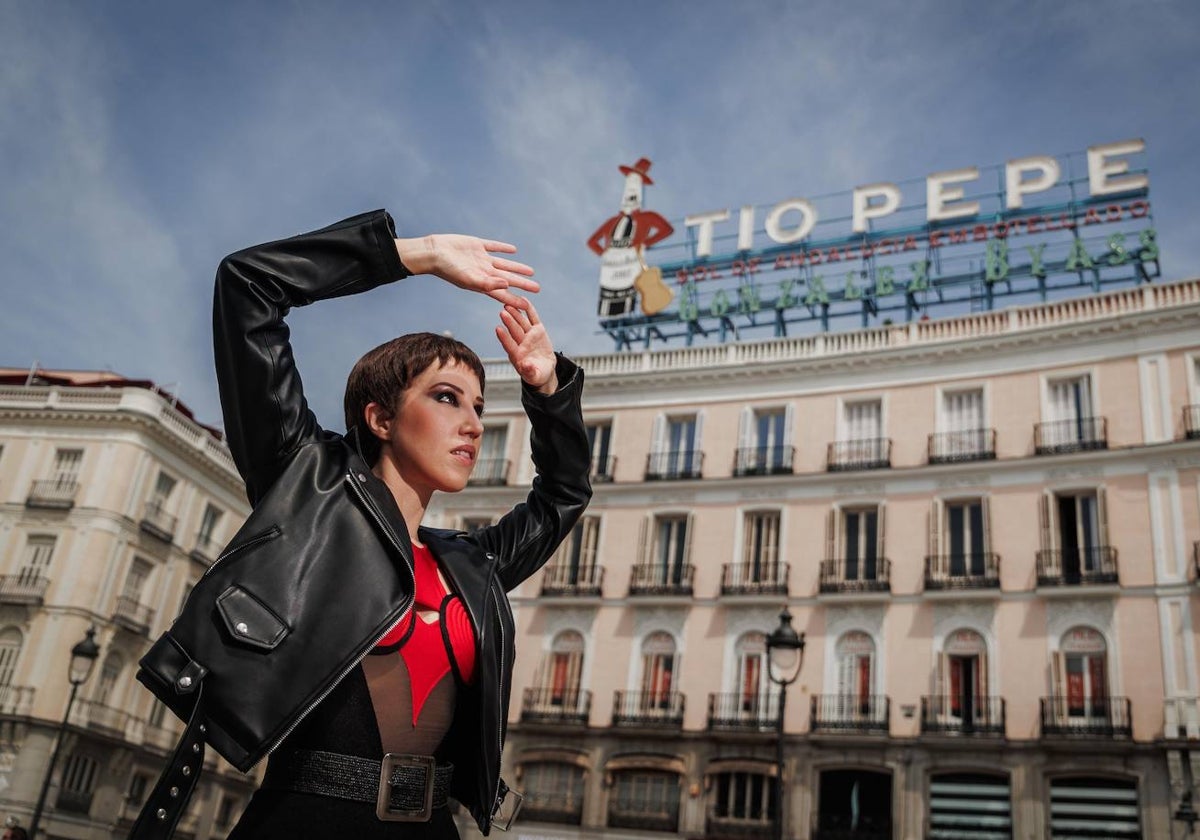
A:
{"x":435,"y":441}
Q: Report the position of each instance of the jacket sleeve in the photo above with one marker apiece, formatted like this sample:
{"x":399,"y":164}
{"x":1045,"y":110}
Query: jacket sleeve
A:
{"x":262,"y":398}
{"x":526,"y":537}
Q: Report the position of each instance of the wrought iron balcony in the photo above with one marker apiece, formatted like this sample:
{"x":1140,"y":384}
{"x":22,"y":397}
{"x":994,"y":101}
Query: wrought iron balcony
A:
{"x":158,"y":523}
{"x":1099,"y":716}
{"x":603,"y":470}
{"x":23,"y":588}
{"x":489,"y":472}
{"x":1191,"y":422}
{"x":52,"y":493}
{"x":733,"y":828}
{"x":962,"y":716}
{"x":674,"y":465}
{"x":547,"y":705}
{"x":962,"y":571}
{"x":656,"y":579}
{"x":763,"y":460}
{"x":1083,"y":434}
{"x":133,"y":616}
{"x":642,"y":820}
{"x":743,"y":712}
{"x":957,"y":447}
{"x":761,"y":578}
{"x":16,"y":699}
{"x":578,"y":581}
{"x":100,"y":717}
{"x":657,"y":709}
{"x":205,"y":550}
{"x":855,"y":575}
{"x":1077,"y":567}
{"x":865,"y":714}
{"x":547,"y":810}
{"x":865,"y":454}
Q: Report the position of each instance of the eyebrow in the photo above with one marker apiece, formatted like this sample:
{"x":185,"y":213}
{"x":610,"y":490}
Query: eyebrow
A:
{"x":455,"y":388}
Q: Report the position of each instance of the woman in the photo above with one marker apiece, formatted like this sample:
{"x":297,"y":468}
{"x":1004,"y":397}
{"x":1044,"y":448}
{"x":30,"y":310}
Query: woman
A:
{"x":369,"y":656}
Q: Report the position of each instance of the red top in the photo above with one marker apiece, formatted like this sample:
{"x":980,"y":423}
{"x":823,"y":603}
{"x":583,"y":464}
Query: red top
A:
{"x":428,"y":647}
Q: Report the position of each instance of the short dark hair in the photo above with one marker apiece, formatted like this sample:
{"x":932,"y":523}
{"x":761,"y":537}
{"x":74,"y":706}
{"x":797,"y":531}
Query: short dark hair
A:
{"x":382,"y":375}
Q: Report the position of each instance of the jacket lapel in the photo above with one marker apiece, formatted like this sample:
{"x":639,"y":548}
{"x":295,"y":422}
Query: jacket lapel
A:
{"x":469,"y":570}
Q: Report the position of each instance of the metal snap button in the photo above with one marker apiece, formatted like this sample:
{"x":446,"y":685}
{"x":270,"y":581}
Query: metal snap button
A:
{"x":162,"y":813}
{"x":174,"y":792}
{"x":187,"y":771}
{"x":242,"y":627}
{"x":203,"y":729}
{"x":185,"y":682}
{"x":195,"y":748}
{"x":362,"y":477}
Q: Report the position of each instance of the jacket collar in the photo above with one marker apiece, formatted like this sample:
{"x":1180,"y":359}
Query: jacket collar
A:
{"x":469,"y":570}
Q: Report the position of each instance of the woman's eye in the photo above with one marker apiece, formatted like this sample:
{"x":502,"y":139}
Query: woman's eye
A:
{"x":447,"y":397}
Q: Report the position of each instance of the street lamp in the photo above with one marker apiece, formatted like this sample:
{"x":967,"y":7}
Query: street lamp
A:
{"x":83,"y":657}
{"x":785,"y":655}
{"x":1186,"y":812}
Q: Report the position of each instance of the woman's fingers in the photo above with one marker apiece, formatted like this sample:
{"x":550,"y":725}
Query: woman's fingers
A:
{"x":512,"y":321}
{"x":497,"y":245}
{"x":506,"y":341}
{"x":509,"y":299}
{"x":513,"y":266}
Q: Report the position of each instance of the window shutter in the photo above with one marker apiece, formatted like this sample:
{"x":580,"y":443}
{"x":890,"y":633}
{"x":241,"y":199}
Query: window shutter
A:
{"x":746,"y":428}
{"x":788,"y":419}
{"x":698,"y":436}
{"x":687,"y":538}
{"x":643,"y":552}
{"x":831,"y":535}
{"x":1045,"y":520}
{"x":934,"y":510}
{"x":985,"y":504}
{"x":656,"y":435}
{"x":1102,"y":515}
{"x":879,"y":532}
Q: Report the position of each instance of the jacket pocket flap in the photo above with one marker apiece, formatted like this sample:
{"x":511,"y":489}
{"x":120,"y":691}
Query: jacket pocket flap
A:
{"x":248,"y":620}
{"x":167,"y":670}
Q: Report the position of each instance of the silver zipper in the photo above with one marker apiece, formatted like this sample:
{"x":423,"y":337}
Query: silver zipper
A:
{"x":269,"y":534}
{"x":500,"y":728}
{"x":391,"y":536}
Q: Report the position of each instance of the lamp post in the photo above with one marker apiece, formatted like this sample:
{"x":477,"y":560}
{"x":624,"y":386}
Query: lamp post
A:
{"x":1186,"y":812}
{"x":83,"y":657}
{"x":785,"y":655}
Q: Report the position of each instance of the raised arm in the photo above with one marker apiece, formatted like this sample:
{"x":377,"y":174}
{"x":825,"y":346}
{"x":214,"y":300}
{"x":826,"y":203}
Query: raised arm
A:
{"x":262,"y":398}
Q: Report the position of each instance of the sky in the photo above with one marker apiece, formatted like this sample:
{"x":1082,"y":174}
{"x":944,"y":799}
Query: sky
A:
{"x":142,"y":142}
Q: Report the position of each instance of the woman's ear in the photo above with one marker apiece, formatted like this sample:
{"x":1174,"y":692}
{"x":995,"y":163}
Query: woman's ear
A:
{"x":379,"y":420}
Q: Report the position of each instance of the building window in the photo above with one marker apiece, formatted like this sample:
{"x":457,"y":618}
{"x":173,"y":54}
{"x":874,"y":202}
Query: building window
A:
{"x":1075,"y":545}
{"x":1071,"y":422}
{"x":962,"y":433}
{"x":855,"y":803}
{"x":574,"y":564}
{"x":110,"y":673}
{"x":760,"y":546}
{"x":158,"y":713}
{"x":564,"y":669}
{"x":854,"y":546}
{"x":225,"y":811}
{"x":206,"y":537}
{"x":79,"y":777}
{"x":599,"y":436}
{"x":491,"y":465}
{"x":138,"y":785}
{"x":666,"y":568}
{"x":742,"y":797}
{"x":676,"y":451}
{"x":11,"y":642}
{"x":1094,"y":807}
{"x":969,"y":806}
{"x":164,"y":486}
{"x":962,"y":678}
{"x":764,"y":442}
{"x":1081,"y":674}
{"x":135,"y":580}
{"x":66,"y":466}
{"x":36,"y":563}
{"x":752,"y":680}
{"x":471,"y":524}
{"x":645,"y":799}
{"x":959,"y":543}
{"x":856,"y":670}
{"x":553,"y":792}
{"x":860,"y":443}
{"x":659,"y":660}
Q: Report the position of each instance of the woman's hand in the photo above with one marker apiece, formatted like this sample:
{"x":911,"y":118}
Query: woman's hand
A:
{"x":466,"y":262}
{"x":528,"y":346}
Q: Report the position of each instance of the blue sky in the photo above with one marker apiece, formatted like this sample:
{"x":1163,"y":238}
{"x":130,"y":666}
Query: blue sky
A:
{"x":141,"y":142}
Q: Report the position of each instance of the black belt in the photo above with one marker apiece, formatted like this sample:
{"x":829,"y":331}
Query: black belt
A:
{"x":404,"y":788}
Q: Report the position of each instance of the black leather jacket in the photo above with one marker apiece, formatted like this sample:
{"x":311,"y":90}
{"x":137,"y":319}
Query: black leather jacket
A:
{"x":322,"y":569}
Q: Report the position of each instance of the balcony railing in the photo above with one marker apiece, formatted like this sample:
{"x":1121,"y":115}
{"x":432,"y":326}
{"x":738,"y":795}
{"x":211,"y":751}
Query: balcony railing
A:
{"x":658,"y":709}
{"x":1191,"y":422}
{"x":133,"y":616}
{"x":763,"y":460}
{"x":762,"y":578}
{"x":1077,"y":567}
{"x":16,"y":699}
{"x":603,"y":469}
{"x":158,"y":523}
{"x":546,"y":705}
{"x":962,"y":571}
{"x":1099,"y":716}
{"x":52,"y":493}
{"x":23,"y":588}
{"x":733,"y":828}
{"x":73,"y":801}
{"x":490,"y":472}
{"x":855,"y":575}
{"x":865,"y":454}
{"x":963,"y":715}
{"x":1083,"y":434}
{"x":956,"y":447}
{"x":851,"y":713}
{"x":656,"y":579}
{"x":743,"y":712}
{"x":640,"y":820}
{"x":579,"y":581}
{"x":95,"y":715}
{"x":674,"y":465}
{"x":206,"y":549}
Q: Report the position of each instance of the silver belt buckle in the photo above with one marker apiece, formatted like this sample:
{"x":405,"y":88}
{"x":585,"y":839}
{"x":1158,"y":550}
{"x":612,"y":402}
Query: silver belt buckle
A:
{"x":501,"y":820}
{"x":383,"y":807}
